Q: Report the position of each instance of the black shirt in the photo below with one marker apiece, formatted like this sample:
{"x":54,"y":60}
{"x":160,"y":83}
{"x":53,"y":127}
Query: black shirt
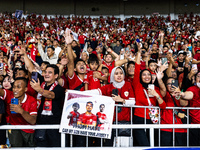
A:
{"x":57,"y":105}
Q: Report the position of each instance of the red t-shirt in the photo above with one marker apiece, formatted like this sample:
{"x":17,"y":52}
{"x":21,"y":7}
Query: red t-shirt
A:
{"x":197,"y":57}
{"x":81,"y":39}
{"x":140,"y":97}
{"x":128,"y":79}
{"x":87,"y":119}
{"x":196,"y":49}
{"x":195,"y":102}
{"x":93,"y":83}
{"x":74,"y":118}
{"x":109,"y":65}
{"x":167,"y":114}
{"x":102,"y":116}
{"x":74,"y":82}
{"x":29,"y":104}
{"x":126,"y":92}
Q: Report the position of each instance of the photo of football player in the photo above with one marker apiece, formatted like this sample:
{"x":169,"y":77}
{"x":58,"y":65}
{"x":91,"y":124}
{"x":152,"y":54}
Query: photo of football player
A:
{"x":74,"y":115}
{"x":88,"y":118}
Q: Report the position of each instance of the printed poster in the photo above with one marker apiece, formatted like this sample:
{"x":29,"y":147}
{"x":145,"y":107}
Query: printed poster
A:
{"x":87,"y":115}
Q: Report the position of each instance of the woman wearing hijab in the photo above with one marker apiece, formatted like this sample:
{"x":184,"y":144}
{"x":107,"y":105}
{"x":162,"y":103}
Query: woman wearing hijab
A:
{"x":123,"y":92}
{"x":140,"y":84}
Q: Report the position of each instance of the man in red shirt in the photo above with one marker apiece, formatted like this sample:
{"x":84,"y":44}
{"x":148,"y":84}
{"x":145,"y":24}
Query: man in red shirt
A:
{"x":26,"y":113}
{"x":101,"y":117}
{"x":81,"y":39}
{"x":88,"y":118}
{"x":77,"y":70}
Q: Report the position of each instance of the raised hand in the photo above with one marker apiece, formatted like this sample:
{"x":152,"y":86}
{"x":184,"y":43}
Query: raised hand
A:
{"x":68,"y":37}
{"x":159,"y":74}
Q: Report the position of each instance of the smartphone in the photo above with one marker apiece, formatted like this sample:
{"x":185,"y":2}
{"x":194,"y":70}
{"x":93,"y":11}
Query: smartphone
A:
{"x":175,"y":83}
{"x":164,"y":60}
{"x":194,"y":66}
{"x":1,"y":68}
{"x":115,"y":92}
{"x":14,"y":101}
{"x":34,"y":76}
{"x":138,"y":40}
{"x":151,"y":86}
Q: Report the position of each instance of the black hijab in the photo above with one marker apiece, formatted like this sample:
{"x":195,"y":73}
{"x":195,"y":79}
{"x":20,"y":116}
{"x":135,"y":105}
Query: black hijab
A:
{"x":145,"y":85}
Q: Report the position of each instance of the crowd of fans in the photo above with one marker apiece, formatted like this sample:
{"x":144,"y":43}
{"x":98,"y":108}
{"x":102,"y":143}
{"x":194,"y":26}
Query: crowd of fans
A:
{"x":41,"y":57}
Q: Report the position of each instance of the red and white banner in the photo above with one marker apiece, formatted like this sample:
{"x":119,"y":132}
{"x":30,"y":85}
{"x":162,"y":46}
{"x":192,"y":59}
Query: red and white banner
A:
{"x":87,"y":115}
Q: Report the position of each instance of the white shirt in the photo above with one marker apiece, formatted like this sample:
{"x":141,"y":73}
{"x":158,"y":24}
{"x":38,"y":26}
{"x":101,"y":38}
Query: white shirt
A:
{"x":57,"y":51}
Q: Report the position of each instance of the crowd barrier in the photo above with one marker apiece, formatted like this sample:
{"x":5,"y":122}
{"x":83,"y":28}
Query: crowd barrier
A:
{"x":131,"y":126}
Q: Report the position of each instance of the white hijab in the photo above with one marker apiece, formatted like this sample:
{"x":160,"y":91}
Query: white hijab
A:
{"x":116,"y":84}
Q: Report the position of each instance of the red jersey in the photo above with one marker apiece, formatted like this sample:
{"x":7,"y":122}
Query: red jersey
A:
{"x":29,"y":104}
{"x":101,"y":116}
{"x":195,"y":102}
{"x":81,"y":39}
{"x":140,"y":97}
{"x":93,"y":83}
{"x":109,"y":65}
{"x":167,"y":114}
{"x":74,"y":118}
{"x":128,"y":79}
{"x":75,"y":83}
{"x":196,"y":49}
{"x":87,"y":119}
{"x":197,"y":57}
{"x":126,"y":92}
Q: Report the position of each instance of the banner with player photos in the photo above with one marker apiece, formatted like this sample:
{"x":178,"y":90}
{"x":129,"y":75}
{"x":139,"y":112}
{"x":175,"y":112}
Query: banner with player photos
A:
{"x":87,"y":115}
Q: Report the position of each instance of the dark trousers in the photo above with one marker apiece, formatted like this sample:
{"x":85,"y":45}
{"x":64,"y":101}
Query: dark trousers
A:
{"x":194,"y":137}
{"x":19,"y":138}
{"x":52,"y":139}
{"x":141,"y":137}
{"x":167,"y":139}
{"x":2,"y":137}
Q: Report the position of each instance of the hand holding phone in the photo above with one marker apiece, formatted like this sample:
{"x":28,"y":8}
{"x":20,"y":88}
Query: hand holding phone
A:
{"x":175,"y":83}
{"x":152,"y":87}
{"x":115,"y":92}
{"x":34,"y":76}
{"x":15,"y":102}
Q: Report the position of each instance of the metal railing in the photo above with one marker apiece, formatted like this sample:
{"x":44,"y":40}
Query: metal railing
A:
{"x":131,"y":126}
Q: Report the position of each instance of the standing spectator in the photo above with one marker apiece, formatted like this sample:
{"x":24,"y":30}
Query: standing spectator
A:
{"x":117,"y":48}
{"x":26,"y":113}
{"x":56,"y":47}
{"x":51,"y":96}
{"x":50,"y":56}
{"x":191,"y":98}
{"x":81,"y":39}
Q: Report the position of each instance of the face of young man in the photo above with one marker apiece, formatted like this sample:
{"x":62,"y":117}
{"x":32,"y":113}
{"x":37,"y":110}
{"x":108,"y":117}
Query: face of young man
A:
{"x":19,"y":88}
{"x":89,"y":107}
{"x":80,"y":67}
{"x":50,"y":52}
{"x":49,"y":76}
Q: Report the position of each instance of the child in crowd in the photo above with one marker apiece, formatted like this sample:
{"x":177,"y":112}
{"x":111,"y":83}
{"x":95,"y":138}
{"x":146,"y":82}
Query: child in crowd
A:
{"x":93,"y":77}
